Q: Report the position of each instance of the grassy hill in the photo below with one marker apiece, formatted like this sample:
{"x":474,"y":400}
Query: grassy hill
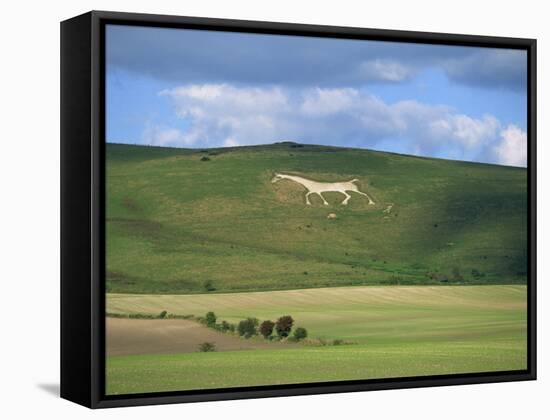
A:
{"x":180,"y":223}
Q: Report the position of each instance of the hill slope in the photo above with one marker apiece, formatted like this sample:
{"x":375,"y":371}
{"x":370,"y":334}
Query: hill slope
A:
{"x":180,"y":224}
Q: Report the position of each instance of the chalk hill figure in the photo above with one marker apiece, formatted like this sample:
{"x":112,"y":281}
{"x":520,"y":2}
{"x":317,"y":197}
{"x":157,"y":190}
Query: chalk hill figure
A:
{"x":314,"y":187}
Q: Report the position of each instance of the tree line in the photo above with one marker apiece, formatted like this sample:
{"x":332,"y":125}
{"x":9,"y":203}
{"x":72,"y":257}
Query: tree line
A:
{"x":249,"y":327}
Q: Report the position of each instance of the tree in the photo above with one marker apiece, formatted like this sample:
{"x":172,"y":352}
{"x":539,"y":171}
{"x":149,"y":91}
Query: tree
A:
{"x":266,"y":328}
{"x":206,"y":347}
{"x":284,"y":325}
{"x":210,"y":319}
{"x":247,"y":327}
{"x":163,"y":314}
{"x":300,"y":333}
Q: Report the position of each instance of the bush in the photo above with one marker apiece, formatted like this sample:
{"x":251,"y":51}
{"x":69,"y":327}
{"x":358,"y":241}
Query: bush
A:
{"x":300,"y":333}
{"x":210,"y":319}
{"x":284,"y":325}
{"x":266,"y":328}
{"x":208,"y":285}
{"x":247,"y":327}
{"x":477,"y":274}
{"x":225,"y":326}
{"x":205,"y":158}
{"x":337,"y":342}
{"x":315,"y":342}
{"x":456,"y":274}
{"x":163,"y":314}
{"x":207,"y":346}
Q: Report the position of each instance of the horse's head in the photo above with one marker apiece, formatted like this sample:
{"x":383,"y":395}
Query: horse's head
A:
{"x":277,"y":177}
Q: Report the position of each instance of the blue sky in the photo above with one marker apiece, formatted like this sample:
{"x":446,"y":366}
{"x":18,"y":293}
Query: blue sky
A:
{"x":198,"y":89}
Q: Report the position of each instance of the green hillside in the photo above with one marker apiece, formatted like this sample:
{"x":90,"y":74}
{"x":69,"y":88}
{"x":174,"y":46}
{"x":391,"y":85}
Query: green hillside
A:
{"x":179,"y":223}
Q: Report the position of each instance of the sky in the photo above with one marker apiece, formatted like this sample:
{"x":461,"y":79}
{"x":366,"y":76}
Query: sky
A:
{"x":201,"y":89}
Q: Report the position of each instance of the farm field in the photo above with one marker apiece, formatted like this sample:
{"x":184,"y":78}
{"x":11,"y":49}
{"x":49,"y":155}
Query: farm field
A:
{"x":363,"y":314}
{"x":431,"y":279}
{"x":395,"y":331}
{"x":161,"y":336}
{"x":185,"y":371}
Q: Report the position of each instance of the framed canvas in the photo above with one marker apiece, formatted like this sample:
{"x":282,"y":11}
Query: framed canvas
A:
{"x":256,"y":209}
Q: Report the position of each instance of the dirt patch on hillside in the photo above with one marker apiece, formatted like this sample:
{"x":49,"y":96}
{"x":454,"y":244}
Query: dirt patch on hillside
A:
{"x":156,"y":336}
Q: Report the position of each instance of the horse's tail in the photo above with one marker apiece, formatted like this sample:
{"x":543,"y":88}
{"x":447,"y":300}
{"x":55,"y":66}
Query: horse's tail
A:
{"x":354,"y":180}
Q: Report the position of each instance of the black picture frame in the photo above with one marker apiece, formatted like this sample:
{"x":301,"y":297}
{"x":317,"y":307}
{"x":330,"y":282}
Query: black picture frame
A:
{"x":83,"y":212}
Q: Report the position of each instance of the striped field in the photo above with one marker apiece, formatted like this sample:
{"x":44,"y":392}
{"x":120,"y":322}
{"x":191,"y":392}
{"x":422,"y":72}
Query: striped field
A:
{"x":396,"y":331}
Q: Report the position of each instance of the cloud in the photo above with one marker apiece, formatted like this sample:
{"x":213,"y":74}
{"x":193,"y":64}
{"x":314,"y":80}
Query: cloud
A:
{"x":512,"y":149}
{"x":321,"y":102}
{"x":221,"y":114}
{"x":489,"y":68}
{"x":385,"y":70}
{"x":157,"y":135}
{"x":192,"y":56}
{"x":227,"y":115}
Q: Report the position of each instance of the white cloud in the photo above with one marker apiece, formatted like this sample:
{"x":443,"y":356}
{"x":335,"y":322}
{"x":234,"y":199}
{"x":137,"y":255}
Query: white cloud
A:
{"x":468,"y":131}
{"x":165,"y":136}
{"x":512,"y":149}
{"x":385,"y":70}
{"x":320,"y":102}
{"x":230,"y":142}
{"x":227,"y":115}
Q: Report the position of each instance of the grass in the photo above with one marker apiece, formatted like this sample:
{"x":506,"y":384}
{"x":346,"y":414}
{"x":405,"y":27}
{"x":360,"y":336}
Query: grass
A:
{"x":180,"y":225}
{"x":376,"y":314}
{"x":397,"y":331}
{"x":185,"y":234}
{"x":176,"y":372}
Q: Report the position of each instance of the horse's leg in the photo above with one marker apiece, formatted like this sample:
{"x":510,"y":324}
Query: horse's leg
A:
{"x":362,"y":193}
{"x":323,"y":198}
{"x":345,"y":202}
{"x":307,"y":198}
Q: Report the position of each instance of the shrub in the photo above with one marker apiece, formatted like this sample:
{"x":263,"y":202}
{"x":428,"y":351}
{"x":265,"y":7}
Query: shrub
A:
{"x":208,"y":285}
{"x":207,"y":346}
{"x":477,"y":274}
{"x":141,"y":316}
{"x":337,"y":342}
{"x":284,"y":325}
{"x":266,"y":328}
{"x":247,"y":327}
{"x":210,"y":319}
{"x":300,"y":333}
{"x":456,"y":274}
{"x":163,"y":314}
{"x":225,"y":326}
{"x":438,"y":277}
{"x":205,"y":158}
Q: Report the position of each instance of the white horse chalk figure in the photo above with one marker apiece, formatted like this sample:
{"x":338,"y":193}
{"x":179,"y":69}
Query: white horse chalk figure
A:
{"x":314,"y":187}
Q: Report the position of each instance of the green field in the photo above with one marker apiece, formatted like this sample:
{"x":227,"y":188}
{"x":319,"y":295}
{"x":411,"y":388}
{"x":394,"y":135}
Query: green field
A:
{"x":155,"y":373}
{"x":396,"y":331}
{"x":178,"y":224}
{"x":382,"y":315}
{"x":429,"y":280}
